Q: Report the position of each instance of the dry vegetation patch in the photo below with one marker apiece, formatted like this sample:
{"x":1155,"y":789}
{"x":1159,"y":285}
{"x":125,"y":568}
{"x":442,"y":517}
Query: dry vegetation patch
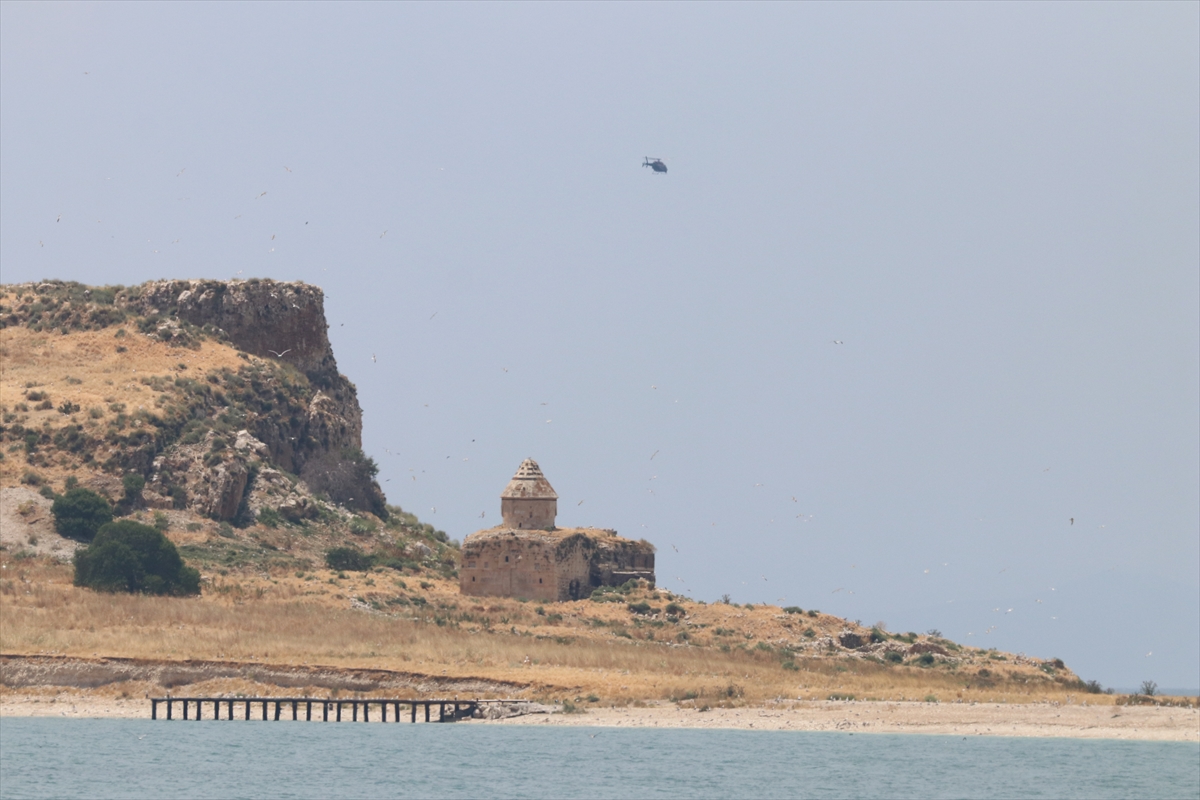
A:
{"x":584,"y":651}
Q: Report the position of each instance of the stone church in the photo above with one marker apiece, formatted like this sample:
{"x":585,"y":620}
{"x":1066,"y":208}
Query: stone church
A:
{"x":526,"y":556}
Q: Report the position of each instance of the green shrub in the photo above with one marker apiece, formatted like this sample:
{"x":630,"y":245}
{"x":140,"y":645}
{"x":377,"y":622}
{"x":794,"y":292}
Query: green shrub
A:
{"x":893,"y":657}
{"x":127,"y":556}
{"x":676,"y":610}
{"x":925,"y":660}
{"x":348,"y":558}
{"x":641,"y":608}
{"x":793,"y":610}
{"x":270,"y":517}
{"x":79,"y":513}
{"x":362,"y":527}
{"x":133,"y":484}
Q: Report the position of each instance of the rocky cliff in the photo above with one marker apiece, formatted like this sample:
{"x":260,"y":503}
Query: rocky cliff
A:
{"x":247,"y":406}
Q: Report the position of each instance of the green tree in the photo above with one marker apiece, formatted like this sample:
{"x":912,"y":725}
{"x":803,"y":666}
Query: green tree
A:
{"x":79,"y":513}
{"x":127,"y":556}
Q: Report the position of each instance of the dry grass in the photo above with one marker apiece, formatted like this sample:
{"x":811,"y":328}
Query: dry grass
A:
{"x":86,"y":369}
{"x":285,"y":619}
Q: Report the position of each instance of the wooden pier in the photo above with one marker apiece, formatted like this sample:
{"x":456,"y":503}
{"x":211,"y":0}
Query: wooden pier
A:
{"x":328,"y":710}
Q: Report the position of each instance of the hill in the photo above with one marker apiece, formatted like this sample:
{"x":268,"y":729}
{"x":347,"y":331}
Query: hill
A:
{"x":225,"y":399}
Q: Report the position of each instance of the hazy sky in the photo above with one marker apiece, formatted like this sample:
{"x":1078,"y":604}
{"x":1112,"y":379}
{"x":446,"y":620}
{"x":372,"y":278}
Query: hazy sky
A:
{"x":994,"y":209}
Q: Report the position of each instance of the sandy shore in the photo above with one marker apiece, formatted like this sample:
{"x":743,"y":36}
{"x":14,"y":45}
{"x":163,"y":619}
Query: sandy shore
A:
{"x":1148,"y":723}
{"x":1073,"y":721}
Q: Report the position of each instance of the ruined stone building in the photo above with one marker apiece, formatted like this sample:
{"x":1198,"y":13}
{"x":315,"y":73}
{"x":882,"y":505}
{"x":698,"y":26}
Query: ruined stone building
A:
{"x":526,"y":556}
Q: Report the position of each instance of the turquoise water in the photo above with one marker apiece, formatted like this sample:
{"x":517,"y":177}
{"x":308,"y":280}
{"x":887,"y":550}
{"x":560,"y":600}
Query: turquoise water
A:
{"x":140,"y":758}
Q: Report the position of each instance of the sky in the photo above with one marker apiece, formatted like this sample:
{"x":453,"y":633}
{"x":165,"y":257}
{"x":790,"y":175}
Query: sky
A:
{"x":908,"y":333}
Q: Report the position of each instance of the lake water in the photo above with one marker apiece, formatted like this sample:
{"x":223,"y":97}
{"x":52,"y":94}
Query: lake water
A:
{"x":107,"y":758}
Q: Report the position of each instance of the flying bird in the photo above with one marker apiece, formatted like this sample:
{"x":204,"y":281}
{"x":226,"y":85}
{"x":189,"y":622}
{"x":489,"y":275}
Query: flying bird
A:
{"x":838,"y":341}
{"x":279,"y":355}
{"x":373,"y":361}
{"x":261,"y":195}
{"x":652,"y":455}
{"x":289,"y":169}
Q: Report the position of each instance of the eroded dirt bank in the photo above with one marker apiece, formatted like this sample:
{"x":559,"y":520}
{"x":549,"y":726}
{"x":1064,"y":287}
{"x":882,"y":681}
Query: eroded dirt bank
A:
{"x":19,"y":671}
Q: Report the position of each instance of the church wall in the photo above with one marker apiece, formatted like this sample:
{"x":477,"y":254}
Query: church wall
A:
{"x":510,"y":566}
{"x":554,"y":567}
{"x":528,"y":513}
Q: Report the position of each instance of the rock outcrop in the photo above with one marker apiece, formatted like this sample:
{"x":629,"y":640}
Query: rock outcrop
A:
{"x":283,"y":322}
{"x":207,"y":438}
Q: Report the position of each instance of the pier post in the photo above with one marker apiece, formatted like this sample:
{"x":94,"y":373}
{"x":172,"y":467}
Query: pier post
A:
{"x":325,"y":711}
{"x":441,"y":712}
{"x":199,"y":709}
{"x":308,"y":711}
{"x":354,"y":710}
{"x":264,"y":702}
{"x":427,"y":711}
{"x":231,"y":709}
{"x":247,"y":709}
{"x":366,"y":714}
{"x":397,"y":710}
{"x":339,"y":711}
{"x":277,"y":704}
{"x":185,"y":709}
{"x":383,"y":712}
{"x":413,"y":707}
{"x":294,"y":717}
{"x":169,"y":704}
{"x":153,"y":709}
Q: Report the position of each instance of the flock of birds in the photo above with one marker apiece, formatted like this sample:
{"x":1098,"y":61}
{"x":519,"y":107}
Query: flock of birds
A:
{"x":803,"y":518}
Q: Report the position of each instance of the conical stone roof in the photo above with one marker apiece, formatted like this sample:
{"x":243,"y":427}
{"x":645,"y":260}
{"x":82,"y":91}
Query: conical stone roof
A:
{"x":529,"y":483}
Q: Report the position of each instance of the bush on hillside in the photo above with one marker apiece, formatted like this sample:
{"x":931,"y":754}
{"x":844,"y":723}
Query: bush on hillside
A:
{"x":79,"y":513}
{"x":127,"y":556}
{"x":348,"y":558}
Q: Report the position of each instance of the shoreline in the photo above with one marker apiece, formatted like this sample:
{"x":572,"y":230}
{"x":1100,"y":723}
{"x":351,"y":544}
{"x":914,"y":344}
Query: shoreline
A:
{"x":1129,"y":723}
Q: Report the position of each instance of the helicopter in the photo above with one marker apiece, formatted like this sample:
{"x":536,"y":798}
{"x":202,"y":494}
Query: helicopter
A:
{"x":655,"y":164}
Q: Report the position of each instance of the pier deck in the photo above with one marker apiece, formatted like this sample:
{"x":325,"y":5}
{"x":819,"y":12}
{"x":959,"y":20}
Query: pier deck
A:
{"x":327,"y":709}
